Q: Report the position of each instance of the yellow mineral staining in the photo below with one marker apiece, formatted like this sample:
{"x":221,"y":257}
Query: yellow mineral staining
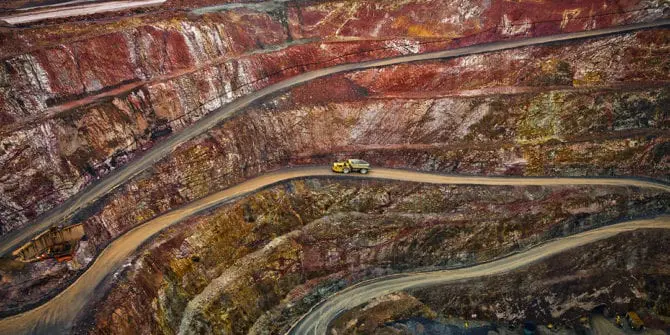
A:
{"x":550,"y":65}
{"x":399,"y":22}
{"x":350,"y":120}
{"x":228,"y":236}
{"x":80,"y":30}
{"x":535,"y":161}
{"x":589,"y":78}
{"x":418,"y":30}
{"x":607,"y":154}
{"x":181,"y":266}
{"x":141,"y":211}
{"x":173,"y":22}
{"x":423,"y":30}
{"x":162,"y":320}
{"x":540,"y":121}
{"x":264,"y":276}
{"x":415,"y":29}
{"x":193,"y":160}
{"x":241,"y":301}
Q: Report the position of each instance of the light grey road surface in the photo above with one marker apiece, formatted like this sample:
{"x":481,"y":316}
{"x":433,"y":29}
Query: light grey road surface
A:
{"x":57,"y":315}
{"x":74,"y":8}
{"x":318,"y":319}
{"x":87,"y":196}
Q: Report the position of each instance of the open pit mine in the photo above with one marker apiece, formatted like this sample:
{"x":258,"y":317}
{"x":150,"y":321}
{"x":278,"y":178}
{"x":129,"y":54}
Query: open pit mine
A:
{"x":335,"y":167}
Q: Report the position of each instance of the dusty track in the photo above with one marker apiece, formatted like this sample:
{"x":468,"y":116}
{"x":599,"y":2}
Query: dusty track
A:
{"x":318,"y":319}
{"x":74,"y":8}
{"x":57,"y":315}
{"x":61,"y":213}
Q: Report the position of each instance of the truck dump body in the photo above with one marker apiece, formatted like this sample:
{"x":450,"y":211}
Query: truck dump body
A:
{"x":358,"y":163}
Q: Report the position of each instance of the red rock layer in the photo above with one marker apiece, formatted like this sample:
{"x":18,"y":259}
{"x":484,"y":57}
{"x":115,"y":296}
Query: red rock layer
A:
{"x":91,"y":141}
{"x":78,"y":100}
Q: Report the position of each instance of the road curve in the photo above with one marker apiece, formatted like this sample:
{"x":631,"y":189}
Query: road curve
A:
{"x":57,"y":315}
{"x":57,"y":215}
{"x":316,"y":321}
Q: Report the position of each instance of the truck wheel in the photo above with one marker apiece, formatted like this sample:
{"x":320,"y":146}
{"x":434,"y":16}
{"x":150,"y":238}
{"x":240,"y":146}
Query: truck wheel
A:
{"x":346,"y":170}
{"x":364,"y":171}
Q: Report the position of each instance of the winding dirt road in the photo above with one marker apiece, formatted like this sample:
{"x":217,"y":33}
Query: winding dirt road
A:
{"x":318,"y":319}
{"x":74,"y":8}
{"x":94,"y":191}
{"x":57,"y":315}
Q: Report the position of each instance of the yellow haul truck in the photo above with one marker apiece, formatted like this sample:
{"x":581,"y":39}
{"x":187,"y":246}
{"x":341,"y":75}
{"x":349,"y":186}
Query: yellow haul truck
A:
{"x":349,"y":165}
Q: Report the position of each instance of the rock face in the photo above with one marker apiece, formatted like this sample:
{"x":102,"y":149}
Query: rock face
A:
{"x":87,"y":112}
{"x":71,"y":112}
{"x":535,"y":107}
{"x":543,"y":133}
{"x":548,"y":114}
{"x":620,"y":273}
{"x":82,"y":96}
{"x":295,"y":242}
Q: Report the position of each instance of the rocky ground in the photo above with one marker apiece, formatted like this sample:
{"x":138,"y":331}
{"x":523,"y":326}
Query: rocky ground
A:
{"x":546,"y":115}
{"x":71,"y":113}
{"x":620,"y":274}
{"x":80,"y":97}
{"x":543,"y":117}
{"x":391,"y":119}
{"x":239,"y":267}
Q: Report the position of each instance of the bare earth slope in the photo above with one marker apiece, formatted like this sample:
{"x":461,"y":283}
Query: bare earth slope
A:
{"x":71,"y":113}
{"x":189,"y":139}
{"x":114,"y":180}
{"x":318,"y":319}
{"x":59,"y":312}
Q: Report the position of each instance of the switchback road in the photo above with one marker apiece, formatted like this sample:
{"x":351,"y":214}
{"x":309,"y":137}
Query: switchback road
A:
{"x":57,"y":315}
{"x":318,"y":319}
{"x":94,"y":191}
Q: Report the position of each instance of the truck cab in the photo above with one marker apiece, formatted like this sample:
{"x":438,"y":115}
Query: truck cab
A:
{"x":351,"y":165}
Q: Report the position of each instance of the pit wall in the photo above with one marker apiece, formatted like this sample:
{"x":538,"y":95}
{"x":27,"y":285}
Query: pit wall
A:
{"x":33,"y":183}
{"x":542,"y":117}
{"x":265,"y":259}
{"x":78,"y":100}
{"x":613,"y":276}
{"x":572,"y":131}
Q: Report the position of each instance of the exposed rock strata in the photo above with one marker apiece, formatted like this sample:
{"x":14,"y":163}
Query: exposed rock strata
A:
{"x":78,"y":100}
{"x":286,"y":241}
{"x":65,"y":100}
{"x":89,"y":143}
{"x":624,"y":273}
{"x":542,"y":117}
{"x":492,"y":135}
{"x":621,"y":273}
